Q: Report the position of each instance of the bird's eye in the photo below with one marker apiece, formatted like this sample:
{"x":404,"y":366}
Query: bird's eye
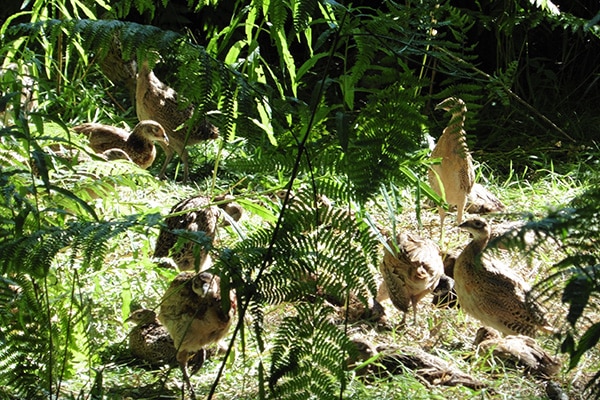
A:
{"x":479,"y":224}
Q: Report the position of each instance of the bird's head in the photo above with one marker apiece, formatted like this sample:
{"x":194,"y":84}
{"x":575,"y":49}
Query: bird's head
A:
{"x":153,"y":130}
{"x":485,"y":333}
{"x":141,"y":316}
{"x":477,"y":227}
{"x":205,"y":284}
{"x":451,"y":104}
{"x":233,"y":210}
{"x":444,"y":286}
{"x":207,"y":130}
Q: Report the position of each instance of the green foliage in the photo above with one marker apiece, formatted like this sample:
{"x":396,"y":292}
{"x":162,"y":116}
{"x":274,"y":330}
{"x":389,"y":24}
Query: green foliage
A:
{"x":305,"y":372}
{"x":389,"y":133}
{"x":314,"y":248}
{"x":23,"y":314}
{"x":333,"y":101}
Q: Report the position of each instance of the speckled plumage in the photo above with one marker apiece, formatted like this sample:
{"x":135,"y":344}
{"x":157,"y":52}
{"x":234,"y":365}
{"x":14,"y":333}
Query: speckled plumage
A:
{"x":455,"y":172}
{"x":157,"y":101}
{"x":481,"y":201}
{"x":491,"y":292}
{"x":137,"y":144}
{"x":119,"y":71}
{"x":522,"y":351}
{"x":149,"y":340}
{"x":412,"y":273}
{"x":193,"y":313}
{"x":195,"y":214}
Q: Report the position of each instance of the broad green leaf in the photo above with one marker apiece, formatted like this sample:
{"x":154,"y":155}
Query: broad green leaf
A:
{"x":234,"y":52}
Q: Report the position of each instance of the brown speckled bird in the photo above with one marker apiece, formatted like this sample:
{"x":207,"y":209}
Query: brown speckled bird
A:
{"x":411,"y":272}
{"x":119,"y":71}
{"x":194,"y":214}
{"x":157,"y":101}
{"x":454,"y":177}
{"x":394,"y":360}
{"x":482,"y":201}
{"x":138,"y":145}
{"x":519,"y":350}
{"x":491,"y":292}
{"x":149,"y":340}
{"x":193,"y":313}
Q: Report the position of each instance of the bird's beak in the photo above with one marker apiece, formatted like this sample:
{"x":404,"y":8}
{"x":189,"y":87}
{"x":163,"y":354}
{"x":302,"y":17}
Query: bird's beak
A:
{"x":205,"y":288}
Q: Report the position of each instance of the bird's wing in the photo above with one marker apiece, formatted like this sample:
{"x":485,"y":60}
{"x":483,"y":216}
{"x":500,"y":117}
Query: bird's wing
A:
{"x":425,"y":263}
{"x":509,"y":293}
{"x":102,"y":132}
{"x":395,"y":281}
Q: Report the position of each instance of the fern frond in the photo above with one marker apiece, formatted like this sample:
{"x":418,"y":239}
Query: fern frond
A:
{"x":303,"y":13}
{"x":308,"y":356}
{"x":278,"y":14}
{"x":389,"y":131}
{"x":28,"y":361}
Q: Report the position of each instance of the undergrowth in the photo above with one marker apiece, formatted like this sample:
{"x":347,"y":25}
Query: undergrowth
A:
{"x":131,"y":280}
{"x":320,"y":98}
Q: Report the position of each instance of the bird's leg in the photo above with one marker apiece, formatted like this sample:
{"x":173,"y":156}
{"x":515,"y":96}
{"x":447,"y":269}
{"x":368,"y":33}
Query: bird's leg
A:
{"x":197,"y":360}
{"x":414,"y":309}
{"x":168,"y":157}
{"x":182,"y":359}
{"x":460,"y":208}
{"x":442,"y":213}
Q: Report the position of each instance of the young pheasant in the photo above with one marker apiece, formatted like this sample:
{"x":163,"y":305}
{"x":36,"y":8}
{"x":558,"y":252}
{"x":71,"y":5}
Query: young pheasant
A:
{"x":489,"y":291}
{"x":482,"y":201}
{"x":157,"y":101}
{"x":138,"y":145}
{"x":193,"y":313}
{"x":410,"y":274}
{"x":453,"y":178}
{"x":149,"y":340}
{"x":194,"y":214}
{"x":518,"y":350}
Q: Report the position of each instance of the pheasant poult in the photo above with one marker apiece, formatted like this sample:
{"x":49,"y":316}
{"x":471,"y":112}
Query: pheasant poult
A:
{"x":119,"y":71}
{"x":491,"y":292}
{"x":193,"y":313}
{"x":149,"y":340}
{"x":157,"y":101}
{"x":410,"y":274}
{"x":194,"y":214}
{"x":522,"y":351}
{"x":482,"y":201}
{"x":137,"y":144}
{"x":454,"y":177}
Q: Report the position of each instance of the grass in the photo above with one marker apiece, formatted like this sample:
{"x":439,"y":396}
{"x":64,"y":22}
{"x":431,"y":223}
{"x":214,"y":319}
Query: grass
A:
{"x":129,"y":279}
